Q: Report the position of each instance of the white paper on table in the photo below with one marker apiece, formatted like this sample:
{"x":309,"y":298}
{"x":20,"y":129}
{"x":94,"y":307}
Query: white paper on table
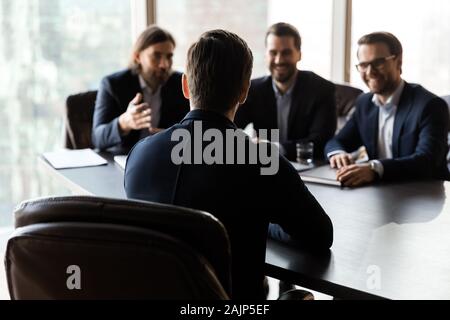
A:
{"x":65,"y":159}
{"x":302,"y":167}
{"x":250,"y":131}
{"x":121,"y":161}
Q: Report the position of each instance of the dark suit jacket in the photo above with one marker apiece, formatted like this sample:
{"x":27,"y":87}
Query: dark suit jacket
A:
{"x":238,"y":195}
{"x":312,"y":115}
{"x":115,"y":93}
{"x":419,"y":139}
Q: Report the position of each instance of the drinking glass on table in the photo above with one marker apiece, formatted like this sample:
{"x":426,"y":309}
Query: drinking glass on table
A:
{"x":305,"y":151}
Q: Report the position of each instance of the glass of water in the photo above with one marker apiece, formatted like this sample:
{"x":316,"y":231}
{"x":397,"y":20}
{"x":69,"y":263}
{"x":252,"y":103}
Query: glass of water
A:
{"x":305,"y":151}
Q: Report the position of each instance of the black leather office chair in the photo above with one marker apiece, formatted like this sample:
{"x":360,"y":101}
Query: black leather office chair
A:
{"x":345,"y":103}
{"x":97,"y":248}
{"x":79,"y":114}
{"x":447,"y":99}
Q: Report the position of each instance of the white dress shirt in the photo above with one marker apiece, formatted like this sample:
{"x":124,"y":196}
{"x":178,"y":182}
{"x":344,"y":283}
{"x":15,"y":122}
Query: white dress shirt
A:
{"x":284,"y":102}
{"x":386,"y":118}
{"x":154,"y":101}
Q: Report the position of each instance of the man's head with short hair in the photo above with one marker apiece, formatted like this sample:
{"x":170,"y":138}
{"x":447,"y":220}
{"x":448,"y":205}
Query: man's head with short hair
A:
{"x":218,"y":71}
{"x":282,"y":29}
{"x":283,"y":52}
{"x":152,"y":55}
{"x":391,"y":41}
{"x":380,"y":57}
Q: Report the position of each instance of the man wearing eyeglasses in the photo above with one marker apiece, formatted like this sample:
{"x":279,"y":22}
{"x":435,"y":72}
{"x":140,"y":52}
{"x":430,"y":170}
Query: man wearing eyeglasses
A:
{"x":402,"y":126}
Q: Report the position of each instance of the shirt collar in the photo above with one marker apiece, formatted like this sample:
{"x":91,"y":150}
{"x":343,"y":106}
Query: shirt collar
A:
{"x":208,"y":115}
{"x":288,"y":93}
{"x":393,"y":100}
{"x":145,"y":86}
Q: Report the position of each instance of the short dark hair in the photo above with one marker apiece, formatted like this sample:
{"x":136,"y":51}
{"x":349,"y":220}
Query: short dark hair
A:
{"x":283,"y":29}
{"x":391,"y":41}
{"x":218,"y":66}
{"x":150,"y":36}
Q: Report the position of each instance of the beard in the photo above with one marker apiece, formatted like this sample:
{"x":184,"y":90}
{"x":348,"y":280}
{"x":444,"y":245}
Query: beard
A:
{"x":382,"y":86}
{"x":284,"y":76}
{"x":157,"y":77}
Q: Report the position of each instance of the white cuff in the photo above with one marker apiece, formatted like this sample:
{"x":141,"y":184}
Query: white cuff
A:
{"x":377,"y":167}
{"x":333,"y":153}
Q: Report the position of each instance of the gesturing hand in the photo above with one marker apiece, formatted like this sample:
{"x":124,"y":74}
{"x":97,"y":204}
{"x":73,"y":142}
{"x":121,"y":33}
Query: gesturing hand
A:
{"x":137,"y":116}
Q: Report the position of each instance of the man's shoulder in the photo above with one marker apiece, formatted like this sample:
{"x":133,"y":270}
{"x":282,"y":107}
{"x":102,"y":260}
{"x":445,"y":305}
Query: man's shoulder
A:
{"x":120,"y":76}
{"x":419,"y":93}
{"x":261,"y":83}
{"x":172,"y":94}
{"x":315,"y":79}
{"x":120,"y":80}
{"x":154,"y":145}
{"x":123,"y":84}
{"x":174,"y":80}
{"x":419,"y":99}
{"x":364,"y":100}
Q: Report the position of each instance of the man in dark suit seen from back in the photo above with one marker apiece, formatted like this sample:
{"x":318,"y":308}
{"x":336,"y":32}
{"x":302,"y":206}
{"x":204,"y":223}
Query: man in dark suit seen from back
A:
{"x":141,"y":100}
{"x":299,"y":103}
{"x":240,"y":195}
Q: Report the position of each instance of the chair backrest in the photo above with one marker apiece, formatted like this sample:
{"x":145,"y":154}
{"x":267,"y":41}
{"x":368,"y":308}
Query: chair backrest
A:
{"x":447,"y":99}
{"x":345,"y":102}
{"x":97,"y":248}
{"x":79,"y":115}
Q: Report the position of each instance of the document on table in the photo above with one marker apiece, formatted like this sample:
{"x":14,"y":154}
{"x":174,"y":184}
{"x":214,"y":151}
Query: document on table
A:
{"x":65,"y":159}
{"x":322,"y":175}
{"x":302,"y":167}
{"x":250,"y":131}
{"x":121,"y":161}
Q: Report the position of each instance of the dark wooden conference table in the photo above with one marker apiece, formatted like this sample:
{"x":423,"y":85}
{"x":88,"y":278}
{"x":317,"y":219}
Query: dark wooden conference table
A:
{"x":390,"y":241}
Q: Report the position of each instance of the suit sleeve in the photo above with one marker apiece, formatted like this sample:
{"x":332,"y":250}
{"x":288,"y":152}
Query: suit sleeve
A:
{"x":105,"y":131}
{"x":431,"y":147}
{"x":298,"y":212}
{"x":348,"y":139}
{"x":323,"y":124}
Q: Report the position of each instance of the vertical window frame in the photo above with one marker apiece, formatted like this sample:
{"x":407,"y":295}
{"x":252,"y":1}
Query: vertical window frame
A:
{"x":143,"y":14}
{"x":341,"y":41}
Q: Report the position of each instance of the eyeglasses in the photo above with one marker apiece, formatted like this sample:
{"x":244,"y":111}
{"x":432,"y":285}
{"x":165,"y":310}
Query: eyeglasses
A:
{"x":377,"y":64}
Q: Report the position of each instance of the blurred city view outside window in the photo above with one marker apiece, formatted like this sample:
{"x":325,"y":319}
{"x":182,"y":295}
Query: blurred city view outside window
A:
{"x":49,"y":49}
{"x":188,"y":19}
{"x":423,"y":28}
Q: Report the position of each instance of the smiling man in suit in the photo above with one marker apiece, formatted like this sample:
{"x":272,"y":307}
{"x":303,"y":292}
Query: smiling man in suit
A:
{"x":298,"y":103}
{"x":403,"y":126}
{"x":141,"y":100}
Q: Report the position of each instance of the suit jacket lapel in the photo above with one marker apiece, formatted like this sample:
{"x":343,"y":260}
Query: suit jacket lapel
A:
{"x":372,"y":129}
{"x":270,"y":101}
{"x":403,"y":109}
{"x":135,"y":86}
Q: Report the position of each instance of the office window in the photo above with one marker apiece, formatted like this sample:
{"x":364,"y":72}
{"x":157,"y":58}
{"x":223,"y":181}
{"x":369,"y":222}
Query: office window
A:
{"x":313,"y":19}
{"x":188,"y":19}
{"x":48,"y":50}
{"x":423,"y":27}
